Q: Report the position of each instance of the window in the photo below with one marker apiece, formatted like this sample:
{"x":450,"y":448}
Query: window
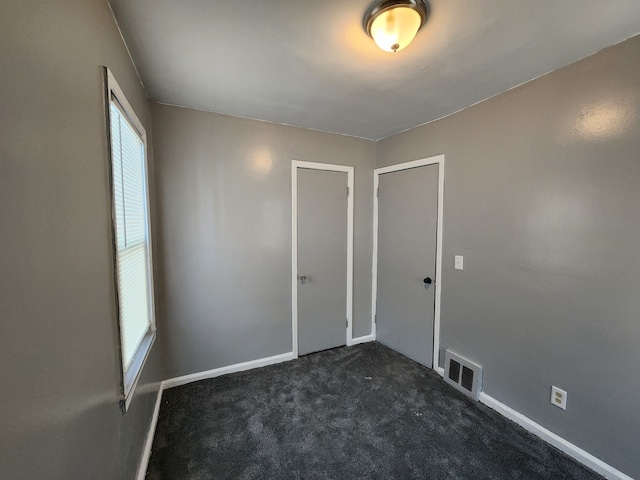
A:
{"x":132,"y":246}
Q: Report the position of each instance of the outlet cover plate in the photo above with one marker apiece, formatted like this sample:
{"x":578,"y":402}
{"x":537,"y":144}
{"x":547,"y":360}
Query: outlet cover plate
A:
{"x":559,"y":397}
{"x":458,"y":261}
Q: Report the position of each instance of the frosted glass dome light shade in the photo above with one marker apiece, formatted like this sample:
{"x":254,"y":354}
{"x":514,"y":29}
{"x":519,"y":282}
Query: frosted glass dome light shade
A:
{"x":393,"y":24}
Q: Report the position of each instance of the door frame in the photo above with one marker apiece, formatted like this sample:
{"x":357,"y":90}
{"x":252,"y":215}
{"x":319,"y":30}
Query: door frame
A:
{"x":295,"y":165}
{"x":436,"y":160}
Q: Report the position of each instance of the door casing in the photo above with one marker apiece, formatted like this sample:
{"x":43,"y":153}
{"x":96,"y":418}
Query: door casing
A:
{"x":436,"y":160}
{"x":295,"y":165}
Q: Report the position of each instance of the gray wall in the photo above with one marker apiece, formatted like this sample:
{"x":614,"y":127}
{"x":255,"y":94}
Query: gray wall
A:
{"x":542,"y":199}
{"x":224,"y":215}
{"x":58,"y":342}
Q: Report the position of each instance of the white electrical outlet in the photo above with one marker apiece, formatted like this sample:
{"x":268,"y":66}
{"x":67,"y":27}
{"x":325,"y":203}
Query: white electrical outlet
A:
{"x":559,"y":397}
{"x":458,"y":262}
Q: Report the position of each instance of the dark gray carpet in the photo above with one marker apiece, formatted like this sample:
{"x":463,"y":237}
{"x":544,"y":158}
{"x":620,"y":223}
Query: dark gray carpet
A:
{"x":357,"y":412}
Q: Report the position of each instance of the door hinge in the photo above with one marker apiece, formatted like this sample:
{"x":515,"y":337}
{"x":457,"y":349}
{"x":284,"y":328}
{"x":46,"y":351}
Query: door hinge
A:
{"x":378,"y":192}
{"x":375,"y":318}
{"x":346,"y":323}
{"x":347,"y":191}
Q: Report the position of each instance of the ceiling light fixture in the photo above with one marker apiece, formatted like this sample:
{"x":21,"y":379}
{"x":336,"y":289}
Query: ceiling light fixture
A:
{"x":393,"y":24}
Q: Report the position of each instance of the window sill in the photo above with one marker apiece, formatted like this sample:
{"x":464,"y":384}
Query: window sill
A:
{"x":135,"y":370}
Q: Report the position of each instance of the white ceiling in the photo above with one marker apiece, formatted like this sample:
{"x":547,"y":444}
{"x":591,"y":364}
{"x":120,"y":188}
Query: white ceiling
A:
{"x":310,"y":63}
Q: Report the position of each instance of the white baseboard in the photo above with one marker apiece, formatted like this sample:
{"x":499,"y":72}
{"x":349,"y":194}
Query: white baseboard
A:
{"x":557,"y":441}
{"x":216,"y":372}
{"x":365,"y":339}
{"x":175,"y":382}
{"x":548,"y":436}
{"x":146,"y":452}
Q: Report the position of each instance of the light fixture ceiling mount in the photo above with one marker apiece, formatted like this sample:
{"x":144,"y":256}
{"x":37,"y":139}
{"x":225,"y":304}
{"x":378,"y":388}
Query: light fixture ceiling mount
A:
{"x":393,"y":24}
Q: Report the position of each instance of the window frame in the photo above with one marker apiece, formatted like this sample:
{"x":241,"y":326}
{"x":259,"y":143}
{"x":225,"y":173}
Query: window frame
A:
{"x":129,"y":377}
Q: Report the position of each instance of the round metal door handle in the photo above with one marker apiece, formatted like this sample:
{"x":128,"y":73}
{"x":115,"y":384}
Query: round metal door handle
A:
{"x":427,"y":280}
{"x":303,"y":278}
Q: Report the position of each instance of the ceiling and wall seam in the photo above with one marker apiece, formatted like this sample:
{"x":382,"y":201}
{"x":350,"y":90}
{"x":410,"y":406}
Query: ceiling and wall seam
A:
{"x":406,"y":129}
{"x":263,"y":120}
{"x":211,"y":58}
{"x":508,"y":89}
{"x":135,"y":67}
{"x":346,"y":134}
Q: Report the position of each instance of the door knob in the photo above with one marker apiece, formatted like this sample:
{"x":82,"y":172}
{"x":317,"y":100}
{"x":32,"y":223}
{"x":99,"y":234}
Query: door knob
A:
{"x":427,"y":280}
{"x":303,"y":278}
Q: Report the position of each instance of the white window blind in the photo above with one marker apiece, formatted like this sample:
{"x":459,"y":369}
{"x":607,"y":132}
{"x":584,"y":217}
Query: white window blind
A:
{"x":132,"y":239}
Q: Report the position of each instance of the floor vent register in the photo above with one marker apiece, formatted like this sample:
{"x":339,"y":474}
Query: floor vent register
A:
{"x":463,"y":374}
